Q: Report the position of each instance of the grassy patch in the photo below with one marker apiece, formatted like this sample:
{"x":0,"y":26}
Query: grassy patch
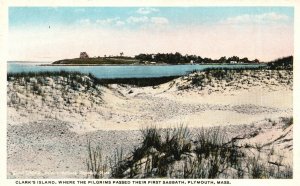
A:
{"x":96,"y":166}
{"x":77,"y":76}
{"x":173,"y":153}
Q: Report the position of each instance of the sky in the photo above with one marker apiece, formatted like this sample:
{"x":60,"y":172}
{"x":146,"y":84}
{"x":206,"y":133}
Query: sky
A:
{"x":53,"y":33}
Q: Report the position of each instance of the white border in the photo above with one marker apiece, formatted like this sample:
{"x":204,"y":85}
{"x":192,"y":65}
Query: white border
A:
{"x":135,"y":3}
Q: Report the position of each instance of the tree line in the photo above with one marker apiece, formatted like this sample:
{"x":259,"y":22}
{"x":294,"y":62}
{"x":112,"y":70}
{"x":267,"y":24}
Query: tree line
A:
{"x":177,"y":58}
{"x":285,"y":63}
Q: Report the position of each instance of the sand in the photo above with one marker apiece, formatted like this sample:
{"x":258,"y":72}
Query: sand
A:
{"x":49,"y":141}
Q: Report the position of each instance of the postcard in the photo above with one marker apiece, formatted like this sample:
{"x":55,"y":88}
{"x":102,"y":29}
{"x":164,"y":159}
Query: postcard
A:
{"x":149,"y":93}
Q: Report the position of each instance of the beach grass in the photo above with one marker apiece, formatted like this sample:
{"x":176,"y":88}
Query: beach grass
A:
{"x":174,"y":153}
{"x":96,"y":166}
{"x":140,"y":82}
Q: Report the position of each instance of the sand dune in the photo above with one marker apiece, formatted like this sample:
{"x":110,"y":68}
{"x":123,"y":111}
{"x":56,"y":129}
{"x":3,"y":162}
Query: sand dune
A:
{"x":47,"y":131}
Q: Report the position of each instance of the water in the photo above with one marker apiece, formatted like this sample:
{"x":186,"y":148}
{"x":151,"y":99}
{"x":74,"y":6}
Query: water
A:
{"x":107,"y":72}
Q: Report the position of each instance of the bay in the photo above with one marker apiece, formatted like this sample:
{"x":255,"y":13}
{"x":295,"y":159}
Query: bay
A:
{"x":124,"y":71}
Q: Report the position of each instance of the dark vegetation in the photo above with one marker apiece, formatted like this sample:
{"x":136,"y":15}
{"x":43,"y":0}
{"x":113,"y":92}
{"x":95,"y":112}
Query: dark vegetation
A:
{"x":285,"y":63}
{"x":73,"y":78}
{"x":288,"y":121}
{"x":98,"y":60}
{"x":160,"y":58}
{"x":220,"y":74}
{"x":140,"y":82}
{"x":173,"y":59}
{"x":95,"y":161}
{"x":178,"y":58}
{"x":71,"y":74}
{"x":76,"y":76}
{"x":174,"y":153}
{"x":229,"y":74}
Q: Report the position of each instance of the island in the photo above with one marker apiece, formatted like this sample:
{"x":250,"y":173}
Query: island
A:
{"x":152,"y":59}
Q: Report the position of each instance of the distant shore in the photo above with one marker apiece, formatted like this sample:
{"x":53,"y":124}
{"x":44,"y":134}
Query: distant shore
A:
{"x":157,"y":64}
{"x":160,"y":64}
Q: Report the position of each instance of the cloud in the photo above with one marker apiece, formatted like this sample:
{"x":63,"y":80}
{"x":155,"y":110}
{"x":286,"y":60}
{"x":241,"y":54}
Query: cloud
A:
{"x":85,"y":22}
{"x":256,"y":19}
{"x":120,"y":23}
{"x":134,"y":20}
{"x":144,"y":20}
{"x":108,"y":21}
{"x":159,"y":20}
{"x":146,"y":10}
{"x":140,"y":21}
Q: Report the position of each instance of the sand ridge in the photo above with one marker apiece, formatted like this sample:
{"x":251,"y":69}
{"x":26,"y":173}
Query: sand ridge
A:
{"x":47,"y":132}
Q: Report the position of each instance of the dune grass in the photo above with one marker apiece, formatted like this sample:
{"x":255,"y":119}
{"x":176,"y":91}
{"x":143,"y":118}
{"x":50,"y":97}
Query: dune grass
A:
{"x":96,"y":166}
{"x":77,"y":76}
{"x":174,"y":153}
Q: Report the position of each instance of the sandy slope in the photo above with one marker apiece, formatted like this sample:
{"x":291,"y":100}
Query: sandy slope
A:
{"x":48,"y":141}
{"x":124,"y":111}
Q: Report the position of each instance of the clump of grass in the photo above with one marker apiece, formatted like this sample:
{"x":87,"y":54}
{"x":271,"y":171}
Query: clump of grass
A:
{"x":256,"y":169}
{"x":288,"y":121}
{"x":95,"y":164}
{"x":73,"y":78}
{"x":158,"y":151}
{"x":151,"y":138}
{"x":198,"y":79}
{"x":209,"y":140}
{"x":286,"y":173}
{"x":219,"y":74}
{"x":214,"y":154}
{"x":163,"y":148}
{"x":118,"y":165}
{"x":176,"y":142}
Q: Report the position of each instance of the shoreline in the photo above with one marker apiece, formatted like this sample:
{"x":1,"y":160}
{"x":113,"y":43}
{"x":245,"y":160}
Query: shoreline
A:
{"x":160,"y":64}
